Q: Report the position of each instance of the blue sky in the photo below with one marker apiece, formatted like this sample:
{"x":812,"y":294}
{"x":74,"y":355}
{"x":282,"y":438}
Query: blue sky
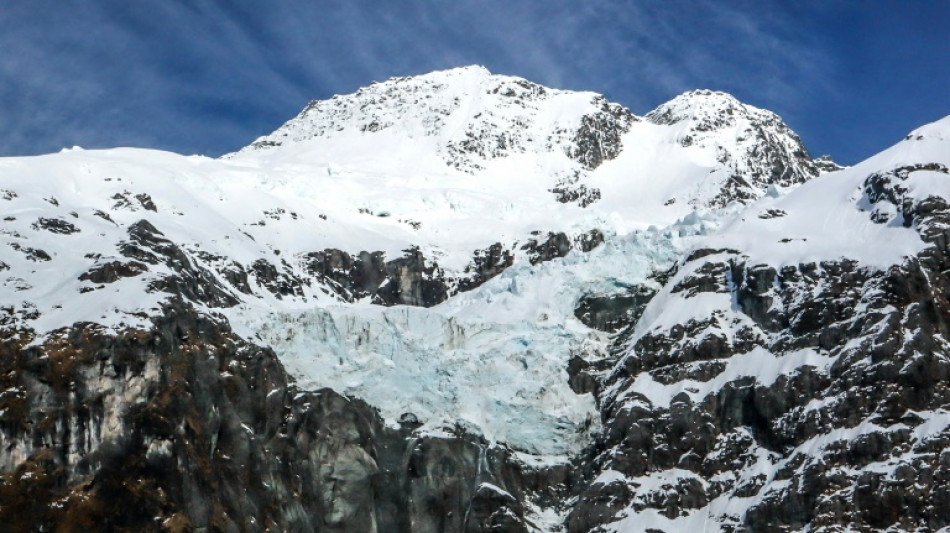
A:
{"x":210,"y":76}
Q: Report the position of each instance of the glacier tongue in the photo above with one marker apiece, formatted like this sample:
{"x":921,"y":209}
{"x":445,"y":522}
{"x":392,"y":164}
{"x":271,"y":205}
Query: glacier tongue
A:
{"x":492,"y":360}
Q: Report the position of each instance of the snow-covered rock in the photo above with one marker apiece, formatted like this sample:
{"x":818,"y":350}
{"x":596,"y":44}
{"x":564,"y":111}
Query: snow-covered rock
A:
{"x":737,"y":133}
{"x":795,"y":366}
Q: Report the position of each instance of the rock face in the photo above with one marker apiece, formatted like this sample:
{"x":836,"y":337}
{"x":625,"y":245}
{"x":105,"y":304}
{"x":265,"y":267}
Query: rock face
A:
{"x":612,"y":312}
{"x":412,"y":280}
{"x":186,"y":427}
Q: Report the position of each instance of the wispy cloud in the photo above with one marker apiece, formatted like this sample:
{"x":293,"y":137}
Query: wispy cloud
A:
{"x":209,"y":76}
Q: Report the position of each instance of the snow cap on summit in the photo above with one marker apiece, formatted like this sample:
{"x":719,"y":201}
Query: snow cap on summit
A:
{"x":704,"y":106}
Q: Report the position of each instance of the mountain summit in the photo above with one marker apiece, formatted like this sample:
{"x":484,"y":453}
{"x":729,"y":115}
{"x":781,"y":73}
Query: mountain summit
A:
{"x":738,"y":133}
{"x":466,"y":117}
{"x":478,"y":123}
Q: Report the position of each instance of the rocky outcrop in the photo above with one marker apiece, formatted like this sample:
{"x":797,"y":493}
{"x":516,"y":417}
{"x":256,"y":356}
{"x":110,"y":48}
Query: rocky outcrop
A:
{"x":408,"y":280}
{"x":413,"y":280}
{"x":217,"y":281}
{"x":55,"y":225}
{"x":571,"y":190}
{"x":598,"y":139}
{"x":486,"y":264}
{"x":825,"y":164}
{"x":612,"y":312}
{"x":146,"y":244}
{"x":112,"y":271}
{"x":555,"y":245}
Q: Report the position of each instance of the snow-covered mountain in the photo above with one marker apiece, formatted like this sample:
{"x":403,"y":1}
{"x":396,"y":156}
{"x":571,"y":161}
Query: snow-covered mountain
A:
{"x":461,"y":175}
{"x":792,"y":374}
{"x":429,"y":306}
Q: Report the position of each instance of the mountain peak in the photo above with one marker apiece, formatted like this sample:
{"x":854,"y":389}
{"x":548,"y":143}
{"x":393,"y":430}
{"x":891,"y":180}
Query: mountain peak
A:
{"x":471,"y":120}
{"x":708,"y":95}
{"x":465,"y":116}
{"x":475,"y":73}
{"x":754,"y":146}
{"x":464,"y":70}
{"x":707,"y":108}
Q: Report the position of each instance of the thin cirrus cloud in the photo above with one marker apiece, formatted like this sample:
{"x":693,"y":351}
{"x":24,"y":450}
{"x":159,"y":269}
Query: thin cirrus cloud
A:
{"x":206,"y":76}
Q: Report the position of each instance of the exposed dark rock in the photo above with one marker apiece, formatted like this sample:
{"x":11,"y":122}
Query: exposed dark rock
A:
{"x":486,"y":264}
{"x":408,"y":280}
{"x":826,"y":164}
{"x":413,"y":280}
{"x":586,"y":375}
{"x":55,"y":225}
{"x":113,"y":271}
{"x":188,"y":279}
{"x":103,"y":215}
{"x":146,"y":202}
{"x":493,"y":509}
{"x":772,"y":213}
{"x":279,"y":281}
{"x":555,"y":245}
{"x":579,"y":377}
{"x":580,"y":194}
{"x":882,"y":331}
{"x":127,"y":200}
{"x":598,"y":137}
{"x":611,"y":312}
{"x":33,"y":254}
{"x":586,"y":242}
{"x":236,"y":275}
{"x":232,"y":271}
